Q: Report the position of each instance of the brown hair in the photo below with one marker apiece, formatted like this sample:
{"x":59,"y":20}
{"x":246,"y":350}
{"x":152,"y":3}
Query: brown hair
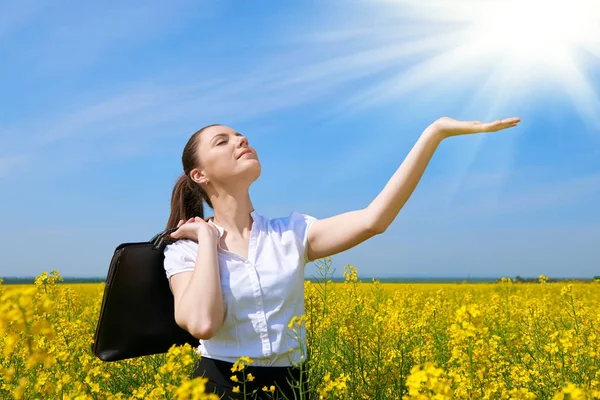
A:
{"x":187,"y":196}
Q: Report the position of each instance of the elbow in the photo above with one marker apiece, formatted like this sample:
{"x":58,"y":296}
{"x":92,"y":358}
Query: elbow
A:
{"x":199,"y":329}
{"x":374,"y":225}
{"x":376,"y":228}
{"x":203,"y":332}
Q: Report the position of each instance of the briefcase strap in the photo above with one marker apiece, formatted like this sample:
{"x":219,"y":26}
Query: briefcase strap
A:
{"x":158,"y":239}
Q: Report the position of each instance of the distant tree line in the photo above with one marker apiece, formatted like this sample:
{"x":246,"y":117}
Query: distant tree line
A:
{"x":519,"y":279}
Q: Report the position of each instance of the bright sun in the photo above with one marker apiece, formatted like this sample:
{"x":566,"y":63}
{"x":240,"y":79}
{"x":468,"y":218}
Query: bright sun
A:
{"x":537,"y":31}
{"x":520,"y":48}
{"x":491,"y":59}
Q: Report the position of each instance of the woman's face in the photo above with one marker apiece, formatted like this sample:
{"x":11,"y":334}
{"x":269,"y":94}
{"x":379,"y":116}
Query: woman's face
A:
{"x":226,"y":157}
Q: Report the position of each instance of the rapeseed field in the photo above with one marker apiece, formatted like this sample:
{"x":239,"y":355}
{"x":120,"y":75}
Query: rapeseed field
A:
{"x":366,"y":340}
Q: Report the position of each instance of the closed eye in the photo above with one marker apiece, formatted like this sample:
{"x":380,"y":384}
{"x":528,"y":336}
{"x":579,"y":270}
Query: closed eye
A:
{"x":225,"y":141}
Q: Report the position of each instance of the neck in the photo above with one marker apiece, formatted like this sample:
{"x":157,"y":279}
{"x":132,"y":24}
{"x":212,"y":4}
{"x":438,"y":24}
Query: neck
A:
{"x":232,"y":212}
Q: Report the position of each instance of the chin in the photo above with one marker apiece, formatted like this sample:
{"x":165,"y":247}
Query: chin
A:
{"x":251,"y":172}
{"x":257,"y":174}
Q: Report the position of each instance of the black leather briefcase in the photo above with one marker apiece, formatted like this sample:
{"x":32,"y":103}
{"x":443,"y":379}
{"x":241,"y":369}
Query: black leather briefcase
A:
{"x":137,"y":316}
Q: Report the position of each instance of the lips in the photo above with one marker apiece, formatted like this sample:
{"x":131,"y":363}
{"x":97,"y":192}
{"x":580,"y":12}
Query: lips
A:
{"x":247,"y":151}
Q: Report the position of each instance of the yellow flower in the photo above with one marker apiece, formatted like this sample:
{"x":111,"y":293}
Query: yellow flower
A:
{"x":292,"y":321}
{"x":479,"y":341}
{"x":567,"y":290}
{"x":241,"y":363}
{"x":572,"y":392}
{"x":236,"y":389}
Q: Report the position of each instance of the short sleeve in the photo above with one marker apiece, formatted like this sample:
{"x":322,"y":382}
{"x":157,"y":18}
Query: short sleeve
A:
{"x":300,"y":224}
{"x":178,"y":258}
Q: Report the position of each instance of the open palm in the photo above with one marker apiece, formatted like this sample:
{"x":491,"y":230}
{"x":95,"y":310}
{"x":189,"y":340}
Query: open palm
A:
{"x":451,"y":127}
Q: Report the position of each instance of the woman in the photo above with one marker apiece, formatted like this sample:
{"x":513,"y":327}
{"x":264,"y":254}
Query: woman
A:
{"x":238,"y":277}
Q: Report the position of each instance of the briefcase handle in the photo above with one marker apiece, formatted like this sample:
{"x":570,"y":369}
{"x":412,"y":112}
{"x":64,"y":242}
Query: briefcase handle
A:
{"x":158,"y":241}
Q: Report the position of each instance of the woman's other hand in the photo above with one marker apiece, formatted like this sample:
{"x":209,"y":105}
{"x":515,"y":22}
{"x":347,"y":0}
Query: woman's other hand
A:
{"x":446,"y":126}
{"x":194,"y":229}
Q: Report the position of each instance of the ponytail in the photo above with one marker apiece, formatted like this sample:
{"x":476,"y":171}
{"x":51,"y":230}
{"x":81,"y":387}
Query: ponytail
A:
{"x":187,"y":197}
{"x":186,"y":201}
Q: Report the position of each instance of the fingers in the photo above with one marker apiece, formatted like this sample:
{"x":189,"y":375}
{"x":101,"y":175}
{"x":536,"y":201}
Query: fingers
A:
{"x":193,"y":219}
{"x":174,"y":234}
{"x":501,"y":124}
{"x":508,"y":121}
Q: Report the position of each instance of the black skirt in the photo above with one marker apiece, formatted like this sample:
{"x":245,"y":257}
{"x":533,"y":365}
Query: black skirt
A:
{"x":286,"y":380}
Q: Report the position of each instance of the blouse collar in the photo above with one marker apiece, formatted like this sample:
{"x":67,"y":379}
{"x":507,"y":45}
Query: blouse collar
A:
{"x":254,"y":215}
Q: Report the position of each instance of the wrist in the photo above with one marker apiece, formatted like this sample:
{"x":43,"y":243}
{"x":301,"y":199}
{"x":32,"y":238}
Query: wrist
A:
{"x":434,"y":133}
{"x":205,"y":232}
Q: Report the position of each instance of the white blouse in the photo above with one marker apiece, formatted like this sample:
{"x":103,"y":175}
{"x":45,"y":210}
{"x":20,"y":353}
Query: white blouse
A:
{"x":262,"y":293}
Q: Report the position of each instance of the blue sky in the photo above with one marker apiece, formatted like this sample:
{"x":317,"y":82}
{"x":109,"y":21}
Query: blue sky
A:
{"x":99,"y":98}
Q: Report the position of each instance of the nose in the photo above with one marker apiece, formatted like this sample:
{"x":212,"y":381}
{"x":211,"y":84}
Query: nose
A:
{"x":243,"y":141}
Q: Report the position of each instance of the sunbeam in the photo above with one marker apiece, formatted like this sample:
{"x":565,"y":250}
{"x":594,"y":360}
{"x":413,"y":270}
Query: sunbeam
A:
{"x":537,"y":42}
{"x":515,"y":52}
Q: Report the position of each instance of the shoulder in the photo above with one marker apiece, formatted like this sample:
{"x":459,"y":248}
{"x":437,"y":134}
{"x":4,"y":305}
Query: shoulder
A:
{"x":181,"y":249}
{"x":294,"y":221}
{"x":180,"y":256}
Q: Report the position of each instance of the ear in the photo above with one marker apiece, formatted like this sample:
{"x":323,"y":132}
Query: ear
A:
{"x":198,"y":176}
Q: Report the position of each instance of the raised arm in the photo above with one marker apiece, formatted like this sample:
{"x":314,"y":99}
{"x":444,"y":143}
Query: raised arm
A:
{"x":335,"y":234}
